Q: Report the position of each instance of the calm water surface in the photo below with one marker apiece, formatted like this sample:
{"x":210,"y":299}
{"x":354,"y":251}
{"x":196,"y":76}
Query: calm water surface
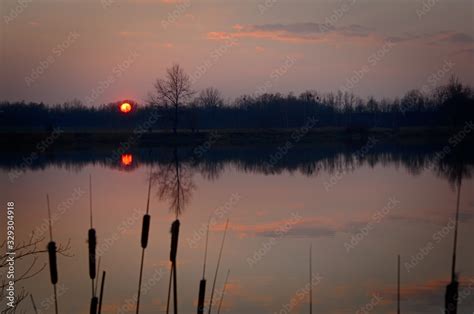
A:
{"x":357,"y":216}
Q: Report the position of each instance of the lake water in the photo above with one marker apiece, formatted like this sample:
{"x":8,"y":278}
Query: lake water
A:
{"x":358,"y":206}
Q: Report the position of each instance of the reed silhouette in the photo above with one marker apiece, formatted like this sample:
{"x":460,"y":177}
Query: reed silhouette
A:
{"x":398,"y":284}
{"x":144,"y":241}
{"x":202,"y":283}
{"x":223,"y":292}
{"x":101,"y":292}
{"x":173,"y":276}
{"x":92,"y":243}
{"x":217,"y":266}
{"x":53,"y":264}
{"x":451,"y":296}
{"x":311,"y":279}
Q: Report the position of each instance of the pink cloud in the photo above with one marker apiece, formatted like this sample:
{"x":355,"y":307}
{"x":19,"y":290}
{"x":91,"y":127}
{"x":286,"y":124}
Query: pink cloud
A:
{"x":299,"y":33}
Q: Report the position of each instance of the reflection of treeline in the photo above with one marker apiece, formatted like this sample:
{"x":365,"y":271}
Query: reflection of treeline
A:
{"x":328,"y":157}
{"x":448,"y":105}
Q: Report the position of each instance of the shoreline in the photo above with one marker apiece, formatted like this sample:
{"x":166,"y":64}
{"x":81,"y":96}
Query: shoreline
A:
{"x":58,"y":137}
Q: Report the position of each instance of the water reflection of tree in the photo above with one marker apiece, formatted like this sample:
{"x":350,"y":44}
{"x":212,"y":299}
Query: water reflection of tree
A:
{"x":326,"y":158}
{"x":454,"y":167}
{"x":175,"y":183}
{"x":210,"y":170}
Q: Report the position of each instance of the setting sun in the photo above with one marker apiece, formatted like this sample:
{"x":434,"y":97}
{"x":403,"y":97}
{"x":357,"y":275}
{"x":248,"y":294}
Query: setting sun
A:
{"x":127,"y":159}
{"x":125,"y":107}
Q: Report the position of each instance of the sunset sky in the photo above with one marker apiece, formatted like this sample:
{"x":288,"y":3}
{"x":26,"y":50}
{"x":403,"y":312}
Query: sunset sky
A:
{"x":105,"y":50}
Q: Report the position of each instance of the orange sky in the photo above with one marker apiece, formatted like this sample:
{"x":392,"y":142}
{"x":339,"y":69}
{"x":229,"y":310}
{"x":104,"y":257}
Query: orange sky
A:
{"x":101,"y":51}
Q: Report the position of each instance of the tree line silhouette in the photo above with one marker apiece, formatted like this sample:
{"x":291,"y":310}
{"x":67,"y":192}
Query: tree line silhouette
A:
{"x":179,"y":107}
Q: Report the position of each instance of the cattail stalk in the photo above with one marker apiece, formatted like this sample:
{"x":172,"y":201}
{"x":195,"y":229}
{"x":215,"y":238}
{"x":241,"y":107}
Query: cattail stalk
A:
{"x":92,"y":241}
{"x":53,"y":265}
{"x":398,"y":285}
{"x":101,"y":292}
{"x":223,"y":292}
{"x":452,"y":289}
{"x":144,"y":242}
{"x":95,"y":299}
{"x":310,"y":279}
{"x":202,"y":283}
{"x":173,"y":253}
{"x":97,"y":281}
{"x":455,"y":240}
{"x":218,"y":264}
{"x":94,"y":304}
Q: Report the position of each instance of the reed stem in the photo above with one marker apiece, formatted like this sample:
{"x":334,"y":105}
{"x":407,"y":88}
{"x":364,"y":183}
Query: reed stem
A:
{"x":205,"y":249}
{"x":144,"y":242}
{"x":169,"y":289}
{"x":140,"y":281}
{"x":218,"y":264}
{"x":90,"y":200}
{"x":55,"y":299}
{"x":34,"y":305}
{"x":97,"y":281}
{"x":223,"y":292}
{"x":53,"y":266}
{"x":398,"y":284}
{"x":101,"y":291}
{"x":455,"y":241}
{"x":310,"y":279}
{"x":49,"y":219}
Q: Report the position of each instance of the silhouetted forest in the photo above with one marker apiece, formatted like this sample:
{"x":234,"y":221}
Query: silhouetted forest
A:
{"x":449,"y":105}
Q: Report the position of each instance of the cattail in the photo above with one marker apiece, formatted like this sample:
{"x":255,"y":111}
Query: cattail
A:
{"x":94,"y":303}
{"x":101,"y":292}
{"x":53,"y":266}
{"x":145,"y":230}
{"x":202,"y":296}
{"x":202,"y":283}
{"x":94,"y":299}
{"x":92,"y":240}
{"x":174,"y":240}
{"x":144,"y":242}
{"x":173,"y":253}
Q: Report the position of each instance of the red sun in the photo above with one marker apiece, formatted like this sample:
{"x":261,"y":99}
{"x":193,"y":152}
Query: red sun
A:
{"x":125,"y":107}
{"x":127,"y":159}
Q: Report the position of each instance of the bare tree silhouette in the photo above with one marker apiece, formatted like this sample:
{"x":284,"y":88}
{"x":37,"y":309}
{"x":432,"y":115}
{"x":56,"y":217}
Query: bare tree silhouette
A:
{"x":175,"y":184}
{"x":175,"y":89}
{"x":210,"y":97}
